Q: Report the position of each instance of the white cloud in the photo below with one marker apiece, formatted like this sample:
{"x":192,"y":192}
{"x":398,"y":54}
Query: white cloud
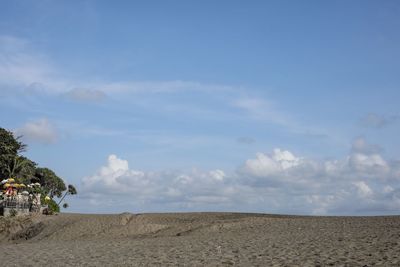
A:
{"x":277,"y":162}
{"x":117,"y":179}
{"x":327,"y":187}
{"x":368,"y":163}
{"x":363,"y":189}
{"x":218,"y":175}
{"x":271,"y":182}
{"x":321,"y":203}
{"x":388,"y":189}
{"x":39,"y":130}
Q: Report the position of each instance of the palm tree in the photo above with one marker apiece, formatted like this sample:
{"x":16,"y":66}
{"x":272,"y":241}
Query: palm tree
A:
{"x":16,"y":166}
{"x":70,"y":191}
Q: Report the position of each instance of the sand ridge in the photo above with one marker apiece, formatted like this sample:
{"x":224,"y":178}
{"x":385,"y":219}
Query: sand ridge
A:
{"x":200,"y":239}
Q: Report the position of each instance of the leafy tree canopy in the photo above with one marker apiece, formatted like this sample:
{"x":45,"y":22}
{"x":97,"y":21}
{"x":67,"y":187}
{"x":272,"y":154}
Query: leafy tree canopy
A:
{"x":14,"y":165}
{"x":10,"y":145}
{"x":53,"y":184}
{"x":21,"y":168}
{"x":9,"y":149}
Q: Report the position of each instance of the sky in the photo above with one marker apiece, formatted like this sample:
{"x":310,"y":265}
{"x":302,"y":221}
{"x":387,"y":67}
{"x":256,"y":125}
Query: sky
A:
{"x":286,"y":107}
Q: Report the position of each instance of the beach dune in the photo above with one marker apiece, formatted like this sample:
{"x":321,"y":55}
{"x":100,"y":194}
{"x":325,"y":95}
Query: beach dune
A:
{"x":199,"y":239}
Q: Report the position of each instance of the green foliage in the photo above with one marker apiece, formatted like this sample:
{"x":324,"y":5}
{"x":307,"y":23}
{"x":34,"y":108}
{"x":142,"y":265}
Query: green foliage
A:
{"x":72,"y":190}
{"x":10,"y":146}
{"x":53,"y":206}
{"x":14,"y":165}
{"x":21,"y":168}
{"x":51,"y":183}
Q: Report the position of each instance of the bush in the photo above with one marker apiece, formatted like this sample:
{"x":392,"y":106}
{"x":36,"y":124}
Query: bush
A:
{"x":53,"y":207}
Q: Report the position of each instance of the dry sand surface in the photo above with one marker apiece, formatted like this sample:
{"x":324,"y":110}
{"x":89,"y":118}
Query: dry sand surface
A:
{"x":199,"y":239}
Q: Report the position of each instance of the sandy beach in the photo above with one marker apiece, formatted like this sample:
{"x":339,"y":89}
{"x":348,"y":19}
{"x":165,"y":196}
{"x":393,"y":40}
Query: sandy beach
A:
{"x":199,"y":239}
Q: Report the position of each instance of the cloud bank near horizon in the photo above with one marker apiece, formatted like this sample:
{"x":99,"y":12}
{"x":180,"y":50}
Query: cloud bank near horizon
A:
{"x":276,"y":182}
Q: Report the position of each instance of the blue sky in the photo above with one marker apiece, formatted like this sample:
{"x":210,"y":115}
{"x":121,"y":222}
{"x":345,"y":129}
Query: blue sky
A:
{"x":279,"y":106}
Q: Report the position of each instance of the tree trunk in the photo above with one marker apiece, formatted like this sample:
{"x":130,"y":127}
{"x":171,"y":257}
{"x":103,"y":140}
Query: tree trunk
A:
{"x":66,"y":193}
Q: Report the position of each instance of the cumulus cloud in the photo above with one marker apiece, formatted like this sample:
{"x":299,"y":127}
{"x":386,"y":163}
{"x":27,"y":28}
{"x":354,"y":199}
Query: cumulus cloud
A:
{"x":275,"y":163}
{"x":218,"y":175}
{"x":363,"y":189}
{"x":278,"y":181}
{"x":39,"y":130}
{"x":361,"y":182}
{"x":86,"y":95}
{"x":368,"y":163}
{"x":377,"y":121}
{"x":118,"y":179}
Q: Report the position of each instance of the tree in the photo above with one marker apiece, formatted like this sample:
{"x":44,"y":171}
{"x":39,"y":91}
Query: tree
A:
{"x":51,"y":183}
{"x":10,"y":146}
{"x":65,"y":205}
{"x":27,"y":170}
{"x":13,"y":164}
{"x":71,"y":191}
{"x":21,"y":168}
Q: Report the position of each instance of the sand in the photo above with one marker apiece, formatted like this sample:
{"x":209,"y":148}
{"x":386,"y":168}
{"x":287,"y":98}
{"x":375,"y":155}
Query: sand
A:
{"x":199,"y":239}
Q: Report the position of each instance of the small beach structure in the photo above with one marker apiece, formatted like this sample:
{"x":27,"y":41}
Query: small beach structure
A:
{"x":19,"y":199}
